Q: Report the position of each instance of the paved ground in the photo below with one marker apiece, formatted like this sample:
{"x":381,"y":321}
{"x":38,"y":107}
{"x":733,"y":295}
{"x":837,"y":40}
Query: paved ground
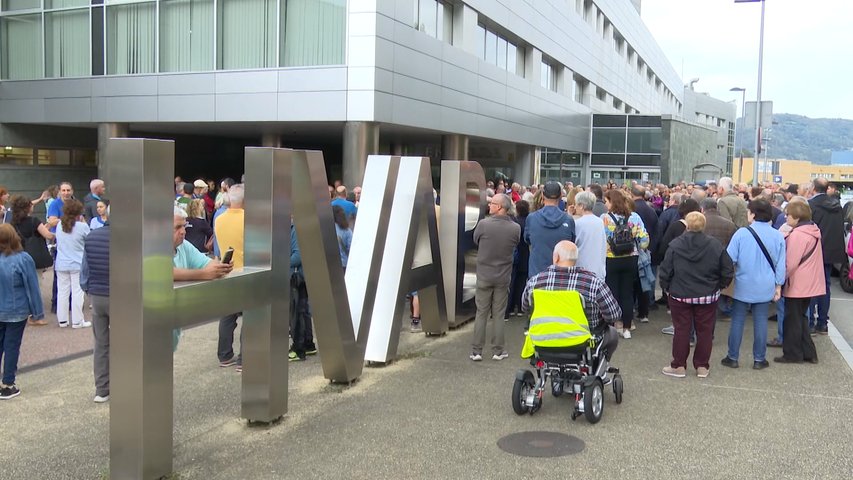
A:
{"x":435,"y":414}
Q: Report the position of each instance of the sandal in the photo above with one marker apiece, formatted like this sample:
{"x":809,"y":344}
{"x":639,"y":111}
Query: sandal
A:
{"x":774,"y":343}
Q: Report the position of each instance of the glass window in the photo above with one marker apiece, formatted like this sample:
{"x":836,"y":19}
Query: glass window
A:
{"x":608,"y":120}
{"x":16,"y":156}
{"x":511,"y":57}
{"x":50,"y":4}
{"x":186,"y":35}
{"x":643,"y":160}
{"x":11,"y":5}
{"x":130,"y":38}
{"x":20,"y":47}
{"x":481,"y":41}
{"x":491,"y":48}
{"x":427,"y":17}
{"x":599,"y":159}
{"x":53,"y":157}
{"x":247,"y":33}
{"x":502,"y":52}
{"x":644,"y":121}
{"x":85,"y":158}
{"x":608,"y":140}
{"x":66,"y":38}
{"x":644,"y":140}
{"x":301,"y":43}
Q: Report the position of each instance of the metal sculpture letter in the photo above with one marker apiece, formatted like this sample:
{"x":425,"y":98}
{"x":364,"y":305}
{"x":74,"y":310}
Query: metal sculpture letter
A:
{"x":145,"y":306}
{"x":463,"y":204}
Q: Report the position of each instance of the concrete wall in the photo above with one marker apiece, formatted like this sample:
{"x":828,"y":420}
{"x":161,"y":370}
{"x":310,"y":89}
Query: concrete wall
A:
{"x":685,"y":146}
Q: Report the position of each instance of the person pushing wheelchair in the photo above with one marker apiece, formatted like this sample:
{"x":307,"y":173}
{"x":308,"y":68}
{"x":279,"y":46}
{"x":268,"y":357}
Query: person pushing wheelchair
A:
{"x":569,"y":306}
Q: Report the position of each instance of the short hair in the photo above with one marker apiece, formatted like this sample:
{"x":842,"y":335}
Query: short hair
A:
{"x":709,"y":204}
{"x":695,"y":222}
{"x":187,"y":188}
{"x":676,"y":198}
{"x":95,"y":183}
{"x":236,"y":194}
{"x":522,"y":208}
{"x":688,"y":206}
{"x":756,"y":191}
{"x":638,"y":191}
{"x":820,"y":185}
{"x":761,"y":209}
{"x":585,"y":200}
{"x":341,"y":191}
{"x":10,"y":242}
{"x":506,"y":202}
{"x":65,"y":182}
{"x":801,"y":211}
{"x":565,"y":250}
{"x":596,"y":190}
{"x":778,"y":198}
{"x":726,"y":184}
{"x":180,"y":212}
{"x":228,"y":181}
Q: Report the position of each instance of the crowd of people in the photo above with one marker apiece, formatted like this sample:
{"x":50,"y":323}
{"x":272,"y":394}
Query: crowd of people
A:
{"x":716,"y":250}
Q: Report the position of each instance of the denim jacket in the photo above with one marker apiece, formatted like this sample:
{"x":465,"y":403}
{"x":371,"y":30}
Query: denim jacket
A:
{"x":20,"y":295}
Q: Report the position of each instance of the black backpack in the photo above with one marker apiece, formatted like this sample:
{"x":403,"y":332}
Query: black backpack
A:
{"x":622,"y":240}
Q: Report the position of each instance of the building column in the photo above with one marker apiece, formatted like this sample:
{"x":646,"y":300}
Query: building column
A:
{"x":107,"y":131}
{"x":526,"y":165}
{"x":454,"y":147}
{"x":360,"y":140}
{"x":271,"y":140}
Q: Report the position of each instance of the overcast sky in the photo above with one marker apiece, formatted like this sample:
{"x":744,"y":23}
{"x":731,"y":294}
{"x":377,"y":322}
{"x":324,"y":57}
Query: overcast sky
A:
{"x":808,"y":50}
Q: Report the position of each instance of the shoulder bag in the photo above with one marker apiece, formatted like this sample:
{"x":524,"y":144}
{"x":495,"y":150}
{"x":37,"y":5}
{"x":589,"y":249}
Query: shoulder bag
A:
{"x":763,"y":249}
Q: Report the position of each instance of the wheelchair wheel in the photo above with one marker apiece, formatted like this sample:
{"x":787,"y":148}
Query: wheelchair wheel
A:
{"x":521,"y":388}
{"x":593,"y":402}
{"x":556,"y":385}
{"x":846,"y":283}
{"x":618,"y":387}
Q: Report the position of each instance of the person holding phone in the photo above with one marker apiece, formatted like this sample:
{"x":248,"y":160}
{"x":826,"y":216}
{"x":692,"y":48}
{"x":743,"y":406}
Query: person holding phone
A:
{"x":229,"y":236}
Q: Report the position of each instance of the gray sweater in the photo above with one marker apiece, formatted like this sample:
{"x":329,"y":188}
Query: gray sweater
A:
{"x":496,"y":238}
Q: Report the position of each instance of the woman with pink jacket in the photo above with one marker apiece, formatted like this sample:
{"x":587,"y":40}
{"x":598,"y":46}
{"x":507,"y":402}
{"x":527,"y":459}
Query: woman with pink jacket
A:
{"x":804,"y":272}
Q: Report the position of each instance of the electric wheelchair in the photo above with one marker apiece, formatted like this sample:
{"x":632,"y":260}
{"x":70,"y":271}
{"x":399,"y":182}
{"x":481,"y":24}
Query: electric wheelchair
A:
{"x":581,"y":371}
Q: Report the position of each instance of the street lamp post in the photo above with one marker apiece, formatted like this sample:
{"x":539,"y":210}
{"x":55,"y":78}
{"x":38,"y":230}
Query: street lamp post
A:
{"x":758,"y":99}
{"x":742,"y":126}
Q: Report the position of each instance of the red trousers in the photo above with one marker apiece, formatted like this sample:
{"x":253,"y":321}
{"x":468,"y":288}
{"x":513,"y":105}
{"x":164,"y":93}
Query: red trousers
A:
{"x":687,"y":317}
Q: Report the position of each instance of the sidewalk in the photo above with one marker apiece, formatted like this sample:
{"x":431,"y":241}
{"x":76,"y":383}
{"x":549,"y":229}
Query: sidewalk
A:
{"x":436,"y":414}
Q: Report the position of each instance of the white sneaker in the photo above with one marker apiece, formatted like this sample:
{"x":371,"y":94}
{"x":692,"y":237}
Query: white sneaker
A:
{"x":626,"y":333}
{"x":500,"y":356}
{"x":644,"y":319}
{"x":475,"y":357}
{"x":63,"y":324}
{"x":83,"y":324}
{"x":100,"y":399}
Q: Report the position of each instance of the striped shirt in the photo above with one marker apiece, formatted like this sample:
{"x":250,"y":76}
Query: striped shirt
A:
{"x":599,"y":302}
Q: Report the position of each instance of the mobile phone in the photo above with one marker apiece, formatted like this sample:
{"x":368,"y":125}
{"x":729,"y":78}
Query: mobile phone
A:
{"x":228,"y":254}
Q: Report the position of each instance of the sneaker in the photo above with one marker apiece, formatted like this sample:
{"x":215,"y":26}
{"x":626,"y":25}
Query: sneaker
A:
{"x":500,"y":356}
{"x":670,"y":330}
{"x":526,"y":332}
{"x":760,"y":365}
{"x":644,"y":319}
{"x":813,"y":331}
{"x":822,"y":330}
{"x":228,"y":363}
{"x":63,"y":324}
{"x":9,"y":391}
{"x":293,"y":357}
{"x":102,"y":398}
{"x":312,"y":350}
{"x":674,"y":372}
{"x":239,"y":368}
{"x":728,"y":362}
{"x":475,"y":357}
{"x":626,"y":333}
{"x":702,"y":372}
{"x":83,"y":324}
{"x":633,"y":326}
{"x":416,"y":327}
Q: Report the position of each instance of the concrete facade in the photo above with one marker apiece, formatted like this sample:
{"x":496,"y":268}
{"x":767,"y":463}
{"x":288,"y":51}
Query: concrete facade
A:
{"x":688,"y":152}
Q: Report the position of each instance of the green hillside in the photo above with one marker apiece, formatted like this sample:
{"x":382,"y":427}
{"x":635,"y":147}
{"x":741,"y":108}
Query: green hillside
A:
{"x":801,"y":138}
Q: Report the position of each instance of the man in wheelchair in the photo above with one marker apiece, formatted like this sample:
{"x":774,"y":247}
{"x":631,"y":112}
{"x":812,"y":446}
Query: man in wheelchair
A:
{"x":571,"y":328}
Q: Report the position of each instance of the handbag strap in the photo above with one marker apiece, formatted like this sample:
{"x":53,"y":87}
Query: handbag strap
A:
{"x":763,"y":249}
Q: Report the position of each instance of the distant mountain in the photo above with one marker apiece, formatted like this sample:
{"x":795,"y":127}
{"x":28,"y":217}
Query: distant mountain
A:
{"x":797,"y":137}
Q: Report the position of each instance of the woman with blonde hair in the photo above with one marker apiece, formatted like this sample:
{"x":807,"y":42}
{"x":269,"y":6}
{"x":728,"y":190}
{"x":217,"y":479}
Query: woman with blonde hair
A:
{"x":695,"y":269}
{"x":570,"y":202}
{"x":199,"y":231}
{"x":70,"y":238}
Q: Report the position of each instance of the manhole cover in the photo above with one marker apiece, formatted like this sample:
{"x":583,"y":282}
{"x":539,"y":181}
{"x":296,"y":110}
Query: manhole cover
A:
{"x":541,"y":444}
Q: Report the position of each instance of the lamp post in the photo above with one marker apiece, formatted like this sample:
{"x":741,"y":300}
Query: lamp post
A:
{"x":742,"y":119}
{"x":758,"y":94}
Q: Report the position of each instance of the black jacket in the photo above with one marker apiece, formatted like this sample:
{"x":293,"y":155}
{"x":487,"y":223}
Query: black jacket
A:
{"x":650,"y":221}
{"x":827,"y":214}
{"x":675,"y":229}
{"x":695,"y":265}
{"x":90,"y":207}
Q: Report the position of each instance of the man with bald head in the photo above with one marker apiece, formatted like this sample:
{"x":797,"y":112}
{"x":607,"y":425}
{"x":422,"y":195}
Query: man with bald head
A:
{"x":496,"y":237}
{"x":599,"y":304}
{"x":341,"y":200}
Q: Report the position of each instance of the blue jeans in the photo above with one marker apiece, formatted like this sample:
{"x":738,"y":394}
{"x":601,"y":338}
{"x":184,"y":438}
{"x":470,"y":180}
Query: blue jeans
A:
{"x":780,"y":314}
{"x":819,"y":306}
{"x":11,"y":334}
{"x":759,"y":320}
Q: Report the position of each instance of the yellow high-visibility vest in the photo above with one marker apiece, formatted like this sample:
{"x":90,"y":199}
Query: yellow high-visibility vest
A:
{"x":558,"y":320}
